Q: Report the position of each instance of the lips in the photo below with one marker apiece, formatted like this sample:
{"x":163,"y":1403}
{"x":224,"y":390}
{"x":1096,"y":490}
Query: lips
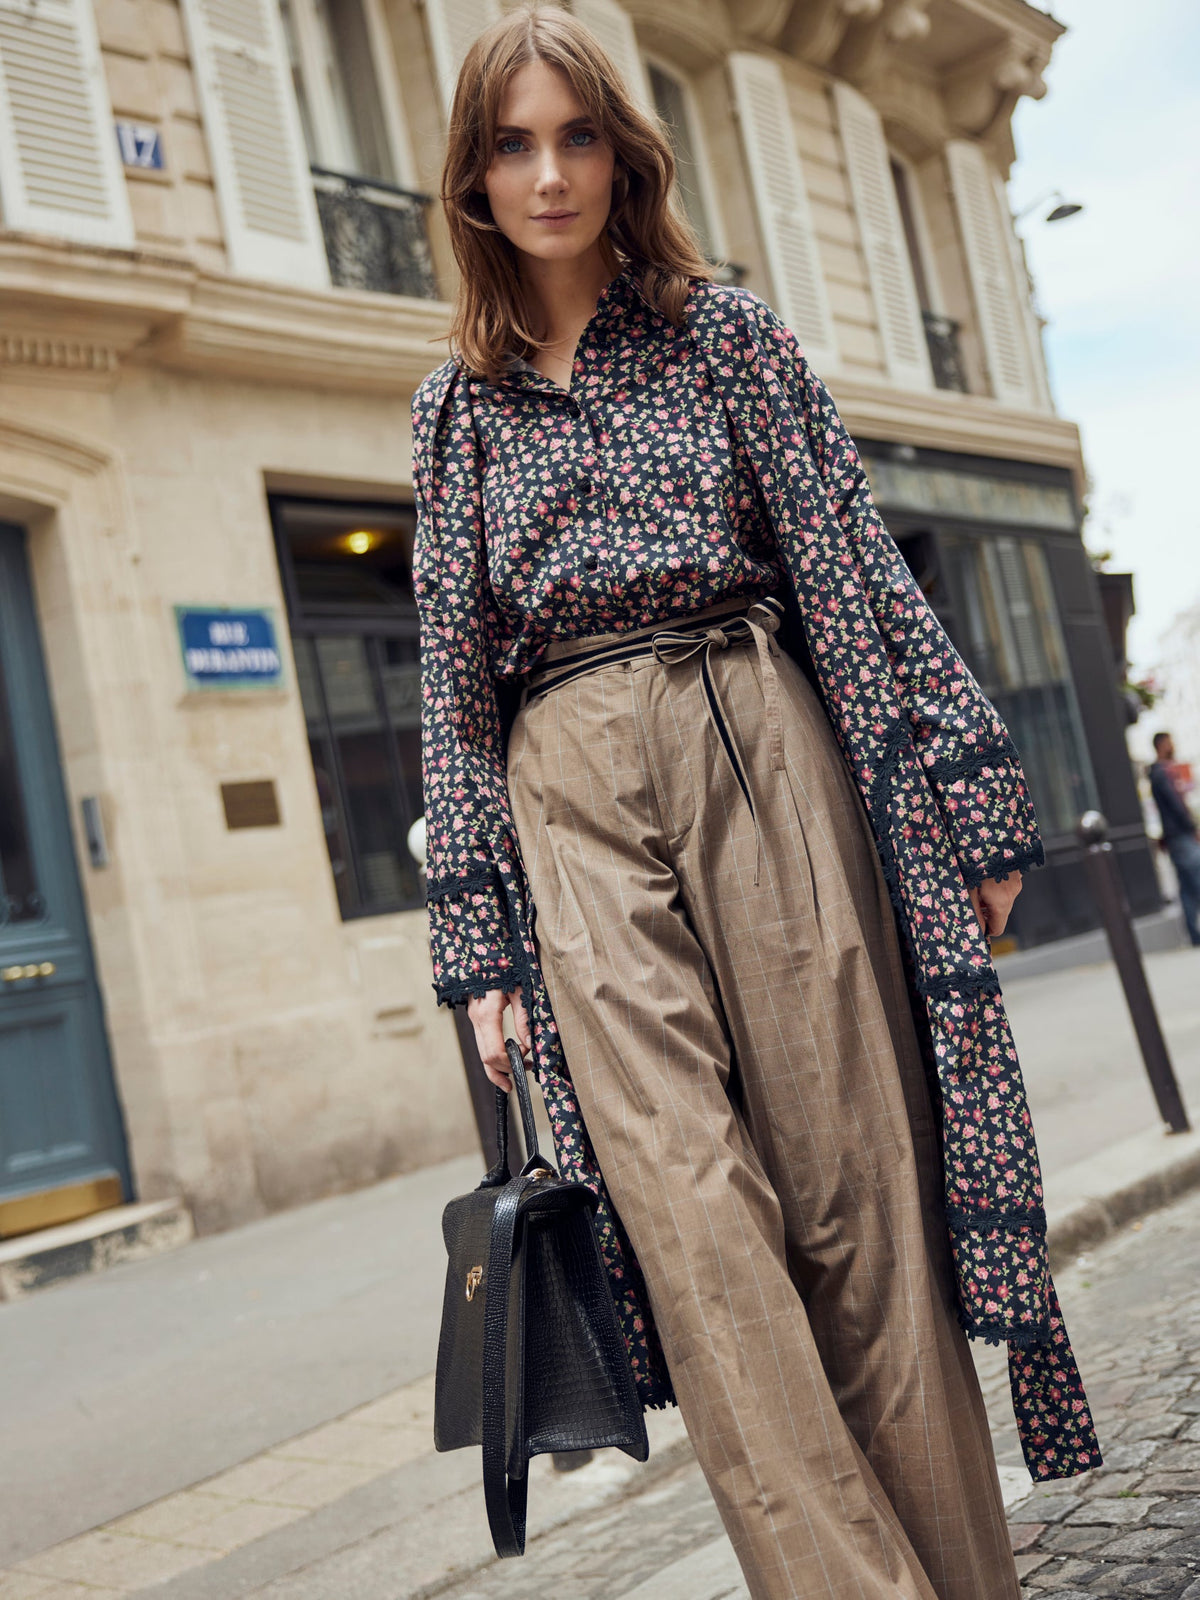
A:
{"x":552,"y":216}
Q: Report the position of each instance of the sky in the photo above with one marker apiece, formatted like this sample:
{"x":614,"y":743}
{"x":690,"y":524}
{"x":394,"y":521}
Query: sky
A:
{"x":1119,"y":132}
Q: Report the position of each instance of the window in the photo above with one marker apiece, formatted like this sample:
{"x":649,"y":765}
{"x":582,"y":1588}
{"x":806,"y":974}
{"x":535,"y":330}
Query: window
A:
{"x":346,"y":571}
{"x":672,"y":101}
{"x":1012,"y":639}
{"x":908,"y":217}
{"x":374,"y":230}
{"x":337,"y":90}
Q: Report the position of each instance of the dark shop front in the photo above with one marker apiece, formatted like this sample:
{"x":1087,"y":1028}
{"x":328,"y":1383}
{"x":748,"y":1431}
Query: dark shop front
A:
{"x":996,"y":547}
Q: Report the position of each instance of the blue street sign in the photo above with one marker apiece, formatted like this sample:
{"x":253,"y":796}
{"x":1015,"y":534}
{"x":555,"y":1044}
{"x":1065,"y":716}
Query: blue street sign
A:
{"x":225,"y":649}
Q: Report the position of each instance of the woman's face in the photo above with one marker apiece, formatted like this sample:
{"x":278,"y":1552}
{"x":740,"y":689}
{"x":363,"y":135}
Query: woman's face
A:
{"x":548,"y":156}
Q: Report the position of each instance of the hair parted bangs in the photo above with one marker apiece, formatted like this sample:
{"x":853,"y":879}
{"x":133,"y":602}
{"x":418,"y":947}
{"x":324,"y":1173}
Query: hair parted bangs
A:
{"x":645,"y":228}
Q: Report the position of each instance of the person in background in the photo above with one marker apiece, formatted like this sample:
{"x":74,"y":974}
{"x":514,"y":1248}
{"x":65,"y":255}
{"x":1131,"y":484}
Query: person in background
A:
{"x":1179,"y":835}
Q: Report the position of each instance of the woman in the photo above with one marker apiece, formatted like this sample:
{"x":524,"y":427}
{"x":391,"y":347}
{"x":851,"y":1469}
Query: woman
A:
{"x":690,"y":731}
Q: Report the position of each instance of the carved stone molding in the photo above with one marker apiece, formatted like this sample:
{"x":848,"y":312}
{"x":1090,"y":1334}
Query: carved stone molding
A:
{"x":69,"y":315}
{"x":982,"y":93}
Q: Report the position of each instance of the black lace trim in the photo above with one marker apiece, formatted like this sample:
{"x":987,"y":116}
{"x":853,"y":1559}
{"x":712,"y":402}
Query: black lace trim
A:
{"x":485,"y":878}
{"x":961,"y":1220}
{"x":994,"y":755}
{"x":475,"y":987}
{"x":1002,"y":867}
{"x":1024,"y":1338}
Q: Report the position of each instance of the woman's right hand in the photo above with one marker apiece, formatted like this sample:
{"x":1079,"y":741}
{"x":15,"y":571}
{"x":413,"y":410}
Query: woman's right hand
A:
{"x":487,"y":1018}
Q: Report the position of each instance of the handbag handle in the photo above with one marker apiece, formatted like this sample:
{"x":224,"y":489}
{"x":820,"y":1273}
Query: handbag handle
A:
{"x":500,"y":1174}
{"x":505,"y":1494}
{"x":524,"y":1100}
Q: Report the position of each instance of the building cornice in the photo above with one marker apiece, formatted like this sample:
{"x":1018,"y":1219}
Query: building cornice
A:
{"x":80,"y":315}
{"x":970,"y":424}
{"x":76,"y":316}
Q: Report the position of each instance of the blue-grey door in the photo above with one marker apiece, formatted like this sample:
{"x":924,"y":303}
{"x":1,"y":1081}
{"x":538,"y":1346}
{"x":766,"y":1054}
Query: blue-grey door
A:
{"x":60,"y":1123}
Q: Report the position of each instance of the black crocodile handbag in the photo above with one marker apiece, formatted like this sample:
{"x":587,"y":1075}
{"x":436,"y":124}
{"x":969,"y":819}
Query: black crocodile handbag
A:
{"x":530,"y":1356}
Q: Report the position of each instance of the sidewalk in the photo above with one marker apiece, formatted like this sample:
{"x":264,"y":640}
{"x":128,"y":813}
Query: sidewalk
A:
{"x":252,"y":1413}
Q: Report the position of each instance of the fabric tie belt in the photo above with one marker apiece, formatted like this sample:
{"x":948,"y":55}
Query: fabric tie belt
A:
{"x":672,"y":645}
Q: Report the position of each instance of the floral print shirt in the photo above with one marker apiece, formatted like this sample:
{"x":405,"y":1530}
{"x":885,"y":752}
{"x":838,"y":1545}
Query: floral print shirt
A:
{"x":622,"y":502}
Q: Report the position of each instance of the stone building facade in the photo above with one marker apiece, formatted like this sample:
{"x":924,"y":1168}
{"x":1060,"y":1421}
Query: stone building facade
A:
{"x":222,"y":274}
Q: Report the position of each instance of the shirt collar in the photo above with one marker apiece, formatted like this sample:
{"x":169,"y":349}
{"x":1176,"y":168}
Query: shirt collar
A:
{"x":623,"y":289}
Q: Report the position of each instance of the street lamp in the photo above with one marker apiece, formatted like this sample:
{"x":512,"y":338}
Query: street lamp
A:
{"x":1064,"y":208}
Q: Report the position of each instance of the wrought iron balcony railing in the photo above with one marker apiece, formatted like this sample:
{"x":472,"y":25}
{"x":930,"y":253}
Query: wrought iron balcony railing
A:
{"x":941,"y":335}
{"x":375,"y":235}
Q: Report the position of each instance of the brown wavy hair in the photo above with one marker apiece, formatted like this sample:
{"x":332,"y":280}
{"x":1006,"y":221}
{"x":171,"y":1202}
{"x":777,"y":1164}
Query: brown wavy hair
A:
{"x":645,"y":227}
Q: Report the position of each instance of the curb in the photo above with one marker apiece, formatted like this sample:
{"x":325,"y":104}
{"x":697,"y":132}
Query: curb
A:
{"x":39,"y":1260}
{"x":1094,"y":1198}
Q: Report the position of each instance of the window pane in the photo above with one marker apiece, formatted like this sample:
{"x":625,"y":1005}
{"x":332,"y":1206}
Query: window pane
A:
{"x":333,"y":820}
{"x":354,"y":87}
{"x":400,"y":665}
{"x":20,"y":900}
{"x":1013,"y":643}
{"x":349,"y":558}
{"x":671,"y":104}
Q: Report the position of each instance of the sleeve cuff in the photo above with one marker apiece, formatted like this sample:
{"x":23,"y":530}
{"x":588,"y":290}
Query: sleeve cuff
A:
{"x":989,"y":816}
{"x":470,"y":940}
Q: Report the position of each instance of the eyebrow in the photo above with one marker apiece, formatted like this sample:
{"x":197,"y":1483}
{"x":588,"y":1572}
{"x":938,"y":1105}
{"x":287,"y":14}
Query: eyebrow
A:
{"x":575,"y":122}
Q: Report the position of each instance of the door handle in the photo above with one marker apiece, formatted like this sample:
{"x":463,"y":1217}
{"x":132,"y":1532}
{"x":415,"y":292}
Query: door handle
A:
{"x":31,"y":969}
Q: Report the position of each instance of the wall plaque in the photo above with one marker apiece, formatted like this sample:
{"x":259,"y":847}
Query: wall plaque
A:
{"x":251,"y":805}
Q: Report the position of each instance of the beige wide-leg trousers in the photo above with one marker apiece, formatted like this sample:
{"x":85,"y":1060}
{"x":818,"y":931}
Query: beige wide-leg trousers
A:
{"x":746,"y":1065}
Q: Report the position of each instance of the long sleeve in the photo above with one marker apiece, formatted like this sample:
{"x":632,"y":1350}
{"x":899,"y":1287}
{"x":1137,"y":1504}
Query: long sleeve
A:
{"x":462,"y":749}
{"x":968,"y":756}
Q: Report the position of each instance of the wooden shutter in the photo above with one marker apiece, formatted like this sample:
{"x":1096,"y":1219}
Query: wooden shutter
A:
{"x":784,"y":219}
{"x":1029,"y":317}
{"x":989,"y":265}
{"x":264,"y":187}
{"x":59,"y":170}
{"x":897,"y":308}
{"x":613,"y":27}
{"x":454,"y":25}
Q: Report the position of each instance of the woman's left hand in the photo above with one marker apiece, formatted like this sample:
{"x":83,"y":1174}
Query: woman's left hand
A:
{"x":993,"y":900}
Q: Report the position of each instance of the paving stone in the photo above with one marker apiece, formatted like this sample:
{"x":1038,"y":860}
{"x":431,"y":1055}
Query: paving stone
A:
{"x":1165,"y":1582}
{"x":1126,"y":1457}
{"x":1114,"y":1513}
{"x":1178,"y":1383}
{"x":1110,"y":1483}
{"x":1171,"y":1483}
{"x":1163,"y":1426}
{"x":1140,"y":1543}
{"x":1027,"y":1564}
{"x":1023,"y":1534}
{"x":1184,"y":1513}
{"x":1074,"y":1541}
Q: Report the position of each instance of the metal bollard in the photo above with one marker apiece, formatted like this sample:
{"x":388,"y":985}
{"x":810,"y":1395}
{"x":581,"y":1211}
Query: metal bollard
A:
{"x":1105,"y":877}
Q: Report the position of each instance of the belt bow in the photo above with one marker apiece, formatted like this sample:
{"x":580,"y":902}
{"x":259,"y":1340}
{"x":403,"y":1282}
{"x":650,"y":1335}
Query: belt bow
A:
{"x":670,"y":647}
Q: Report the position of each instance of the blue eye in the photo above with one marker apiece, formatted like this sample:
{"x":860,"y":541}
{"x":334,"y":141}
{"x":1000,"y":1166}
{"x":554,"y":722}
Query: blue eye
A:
{"x":577,"y":133}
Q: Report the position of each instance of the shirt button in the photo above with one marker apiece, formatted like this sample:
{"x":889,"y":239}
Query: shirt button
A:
{"x":584,"y":487}
{"x":591,"y":563}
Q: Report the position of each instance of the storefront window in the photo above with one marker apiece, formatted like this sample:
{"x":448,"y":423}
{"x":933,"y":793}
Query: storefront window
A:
{"x":347,"y":574}
{"x":1011,"y":636}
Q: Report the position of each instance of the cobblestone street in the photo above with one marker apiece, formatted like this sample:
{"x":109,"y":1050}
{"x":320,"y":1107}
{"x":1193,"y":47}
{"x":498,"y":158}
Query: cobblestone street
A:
{"x":1131,"y":1528}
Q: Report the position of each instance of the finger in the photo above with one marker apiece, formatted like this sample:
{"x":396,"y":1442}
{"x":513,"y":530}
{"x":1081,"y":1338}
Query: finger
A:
{"x":489,"y":1039}
{"x":521,"y":1021}
{"x":975,"y":902}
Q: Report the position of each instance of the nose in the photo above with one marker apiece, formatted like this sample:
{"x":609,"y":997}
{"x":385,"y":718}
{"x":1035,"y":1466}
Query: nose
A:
{"x":549,"y":176}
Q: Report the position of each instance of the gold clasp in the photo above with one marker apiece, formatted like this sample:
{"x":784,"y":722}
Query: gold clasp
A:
{"x":474,"y":1279}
